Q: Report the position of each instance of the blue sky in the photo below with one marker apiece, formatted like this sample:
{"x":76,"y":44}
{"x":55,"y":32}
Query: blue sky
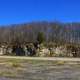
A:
{"x":21,"y":11}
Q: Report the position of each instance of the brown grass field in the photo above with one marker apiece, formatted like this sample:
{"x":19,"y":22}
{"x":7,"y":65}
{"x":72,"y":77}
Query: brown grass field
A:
{"x":24,"y":69}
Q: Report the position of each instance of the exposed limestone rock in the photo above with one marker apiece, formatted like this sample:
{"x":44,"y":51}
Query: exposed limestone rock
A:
{"x":60,"y":51}
{"x":43,"y":52}
{"x":3,"y":50}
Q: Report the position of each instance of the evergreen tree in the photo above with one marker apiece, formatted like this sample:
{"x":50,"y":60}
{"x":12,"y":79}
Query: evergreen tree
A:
{"x":40,"y":37}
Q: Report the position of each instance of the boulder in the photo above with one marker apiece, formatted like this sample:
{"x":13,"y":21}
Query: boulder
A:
{"x":43,"y":52}
{"x":3,"y":50}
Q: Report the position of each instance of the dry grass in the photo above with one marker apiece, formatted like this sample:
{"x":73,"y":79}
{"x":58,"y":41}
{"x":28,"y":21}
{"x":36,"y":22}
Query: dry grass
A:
{"x":8,"y":74}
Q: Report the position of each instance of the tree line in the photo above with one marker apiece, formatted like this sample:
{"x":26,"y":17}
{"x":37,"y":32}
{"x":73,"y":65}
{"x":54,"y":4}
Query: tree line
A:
{"x":51,"y":31}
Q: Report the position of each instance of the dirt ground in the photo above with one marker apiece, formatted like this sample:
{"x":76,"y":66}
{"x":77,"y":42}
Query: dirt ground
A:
{"x":15,"y":69}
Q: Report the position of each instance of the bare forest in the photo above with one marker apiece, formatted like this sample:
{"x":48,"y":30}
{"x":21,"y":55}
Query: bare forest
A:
{"x":53,"y":32}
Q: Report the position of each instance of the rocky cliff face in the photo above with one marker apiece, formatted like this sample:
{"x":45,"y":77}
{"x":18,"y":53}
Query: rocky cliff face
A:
{"x":42,"y":51}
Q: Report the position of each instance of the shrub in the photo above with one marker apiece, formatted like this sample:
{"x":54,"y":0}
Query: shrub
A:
{"x":40,"y":37}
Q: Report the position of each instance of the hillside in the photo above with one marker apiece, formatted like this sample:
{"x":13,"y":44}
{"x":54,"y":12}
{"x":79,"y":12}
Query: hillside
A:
{"x":53,"y":31}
